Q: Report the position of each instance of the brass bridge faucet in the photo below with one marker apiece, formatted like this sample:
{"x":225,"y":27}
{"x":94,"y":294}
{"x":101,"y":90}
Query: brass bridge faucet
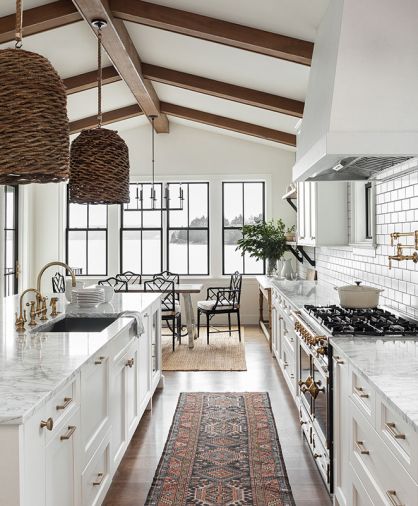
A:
{"x":21,"y":319}
{"x":44,"y":268}
{"x":397,"y":235}
{"x":400,"y":255}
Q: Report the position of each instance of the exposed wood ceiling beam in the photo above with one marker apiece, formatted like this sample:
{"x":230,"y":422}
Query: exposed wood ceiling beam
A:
{"x":214,"y":30}
{"x":223,"y":90}
{"x":107,"y":118}
{"x":194,"y":83}
{"x":40,"y":19}
{"x":192,"y":115}
{"x":121,"y":50}
{"x":88,"y":80}
{"x":229,"y":124}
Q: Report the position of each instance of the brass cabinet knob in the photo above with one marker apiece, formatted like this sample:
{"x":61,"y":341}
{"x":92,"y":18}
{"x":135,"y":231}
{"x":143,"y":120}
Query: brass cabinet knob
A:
{"x":130,"y":362}
{"x":49,"y":423}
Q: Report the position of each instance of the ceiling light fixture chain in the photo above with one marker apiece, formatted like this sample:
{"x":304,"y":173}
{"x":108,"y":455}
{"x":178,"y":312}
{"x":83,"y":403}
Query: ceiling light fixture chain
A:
{"x":19,"y":24}
{"x":153,"y":194}
{"x":99,"y":24}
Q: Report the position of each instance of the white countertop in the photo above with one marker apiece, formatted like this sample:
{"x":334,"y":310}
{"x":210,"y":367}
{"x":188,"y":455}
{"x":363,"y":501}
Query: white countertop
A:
{"x":34,"y":366}
{"x":390,"y":364}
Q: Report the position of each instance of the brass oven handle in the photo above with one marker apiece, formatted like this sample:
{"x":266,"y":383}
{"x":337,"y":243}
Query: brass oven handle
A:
{"x":100,"y":477}
{"x":305,"y":383}
{"x":67,"y":401}
{"x":393,"y":498}
{"x":130,"y":362}
{"x":69,"y":433}
{"x":48,"y":424}
{"x":361,"y":393}
{"x":361,"y":448}
{"x":393,"y":431}
{"x":100,"y":361}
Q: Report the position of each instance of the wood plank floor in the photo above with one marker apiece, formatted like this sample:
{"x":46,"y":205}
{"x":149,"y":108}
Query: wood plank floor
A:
{"x":134,"y":477}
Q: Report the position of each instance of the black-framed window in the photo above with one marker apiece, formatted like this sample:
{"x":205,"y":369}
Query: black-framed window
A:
{"x":141,"y":235}
{"x":188,"y":230}
{"x":369,"y":211}
{"x":243,"y":202}
{"x":86,"y":238}
{"x":11,"y":220}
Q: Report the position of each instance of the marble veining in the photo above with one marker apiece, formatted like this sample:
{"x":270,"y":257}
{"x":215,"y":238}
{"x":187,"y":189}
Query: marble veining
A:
{"x":390,"y":366}
{"x":35,"y":364}
{"x":303,"y":292}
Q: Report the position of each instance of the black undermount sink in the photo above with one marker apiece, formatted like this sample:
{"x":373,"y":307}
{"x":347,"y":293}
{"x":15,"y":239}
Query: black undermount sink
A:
{"x":78,"y":324}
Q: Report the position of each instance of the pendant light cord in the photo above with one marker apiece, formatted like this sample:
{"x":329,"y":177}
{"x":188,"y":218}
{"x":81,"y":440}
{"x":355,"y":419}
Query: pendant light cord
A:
{"x":153,"y":151}
{"x":19,"y":24}
{"x":99,"y":77}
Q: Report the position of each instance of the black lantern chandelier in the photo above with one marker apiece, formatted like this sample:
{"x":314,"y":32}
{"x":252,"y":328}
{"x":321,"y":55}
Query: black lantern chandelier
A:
{"x":153,"y":202}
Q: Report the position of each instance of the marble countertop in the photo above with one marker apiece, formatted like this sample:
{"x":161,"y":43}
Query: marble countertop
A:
{"x":303,"y":292}
{"x":389,"y":365}
{"x":34,"y":365}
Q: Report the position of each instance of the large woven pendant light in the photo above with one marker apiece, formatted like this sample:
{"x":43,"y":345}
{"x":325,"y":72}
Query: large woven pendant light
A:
{"x":34,"y":129}
{"x":99,"y":158}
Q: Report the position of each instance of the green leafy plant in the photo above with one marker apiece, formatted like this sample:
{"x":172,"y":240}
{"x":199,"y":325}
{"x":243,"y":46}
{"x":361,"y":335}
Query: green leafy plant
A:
{"x":264,"y":240}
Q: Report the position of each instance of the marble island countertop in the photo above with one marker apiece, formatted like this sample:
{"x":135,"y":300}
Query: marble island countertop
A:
{"x":35,"y":364}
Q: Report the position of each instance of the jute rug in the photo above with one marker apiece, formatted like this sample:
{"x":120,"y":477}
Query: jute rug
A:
{"x":224,"y":353}
{"x":222,"y":449}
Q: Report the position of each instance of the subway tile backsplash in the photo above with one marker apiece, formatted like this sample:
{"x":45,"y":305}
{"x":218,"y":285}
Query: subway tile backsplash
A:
{"x":396,"y":211}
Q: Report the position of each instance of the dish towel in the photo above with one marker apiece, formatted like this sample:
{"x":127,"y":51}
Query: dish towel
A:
{"x":136,"y":315}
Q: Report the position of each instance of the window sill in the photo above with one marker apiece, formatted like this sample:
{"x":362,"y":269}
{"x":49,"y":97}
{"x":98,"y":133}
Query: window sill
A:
{"x":365,"y":249}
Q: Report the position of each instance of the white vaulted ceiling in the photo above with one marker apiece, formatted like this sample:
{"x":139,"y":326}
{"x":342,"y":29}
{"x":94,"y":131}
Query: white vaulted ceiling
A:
{"x":72,"y":49}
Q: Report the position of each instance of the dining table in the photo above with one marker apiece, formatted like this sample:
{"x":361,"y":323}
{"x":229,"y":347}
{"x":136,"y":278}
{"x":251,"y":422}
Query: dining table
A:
{"x":185,"y":290}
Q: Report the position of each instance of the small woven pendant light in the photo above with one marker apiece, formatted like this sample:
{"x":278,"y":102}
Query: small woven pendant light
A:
{"x":99,"y":158}
{"x":34,"y":129}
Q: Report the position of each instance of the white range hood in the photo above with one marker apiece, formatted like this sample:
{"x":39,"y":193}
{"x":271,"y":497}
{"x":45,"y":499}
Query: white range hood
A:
{"x":361,"y":110}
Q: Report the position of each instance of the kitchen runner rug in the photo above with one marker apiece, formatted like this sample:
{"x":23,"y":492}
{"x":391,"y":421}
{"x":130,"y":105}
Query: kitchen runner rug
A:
{"x":224,"y":353}
{"x":222,"y":449}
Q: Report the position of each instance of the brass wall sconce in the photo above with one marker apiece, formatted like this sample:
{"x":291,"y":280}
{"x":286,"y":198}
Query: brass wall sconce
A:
{"x":400,"y":256}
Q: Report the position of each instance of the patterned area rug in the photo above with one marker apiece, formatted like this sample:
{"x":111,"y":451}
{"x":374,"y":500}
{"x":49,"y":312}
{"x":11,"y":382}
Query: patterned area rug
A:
{"x":222,"y":449}
{"x":224,"y":353}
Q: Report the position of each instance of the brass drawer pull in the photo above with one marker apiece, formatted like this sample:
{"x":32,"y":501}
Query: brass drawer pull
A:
{"x":49,"y":424}
{"x":130,"y":362}
{"x":100,"y":361}
{"x":69,"y":433}
{"x":100,"y":477}
{"x":361,"y":393}
{"x":317,"y":455}
{"x":393,"y":431}
{"x":67,"y":401}
{"x":393,"y":498}
{"x":361,"y":448}
{"x":338,"y":361}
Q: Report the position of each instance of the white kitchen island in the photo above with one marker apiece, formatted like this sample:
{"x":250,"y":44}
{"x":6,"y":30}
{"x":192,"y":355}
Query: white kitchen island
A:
{"x":71,"y":401}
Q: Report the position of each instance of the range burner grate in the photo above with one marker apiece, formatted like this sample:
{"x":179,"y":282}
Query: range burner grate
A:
{"x":366,"y":322}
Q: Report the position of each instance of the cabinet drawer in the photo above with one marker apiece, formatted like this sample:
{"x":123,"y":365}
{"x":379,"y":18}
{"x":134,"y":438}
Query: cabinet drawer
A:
{"x":359,"y":495}
{"x":288,"y":364}
{"x":321,"y":457}
{"x":382,"y":474}
{"x":95,"y":479}
{"x":63,"y":403}
{"x":288,"y":334}
{"x":363,"y":396}
{"x":94,"y":402}
{"x":398,"y":435}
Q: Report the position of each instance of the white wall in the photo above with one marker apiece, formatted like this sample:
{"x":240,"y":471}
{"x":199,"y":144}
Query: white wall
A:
{"x":185,"y":153}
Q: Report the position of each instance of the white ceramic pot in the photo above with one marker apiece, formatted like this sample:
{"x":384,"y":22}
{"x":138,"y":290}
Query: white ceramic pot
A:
{"x":358,"y":297}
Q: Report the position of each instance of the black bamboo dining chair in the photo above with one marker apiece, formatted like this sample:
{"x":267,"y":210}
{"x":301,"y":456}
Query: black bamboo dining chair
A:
{"x":130,"y":277}
{"x":170,"y":308}
{"x":117,"y":284}
{"x":221,"y":300}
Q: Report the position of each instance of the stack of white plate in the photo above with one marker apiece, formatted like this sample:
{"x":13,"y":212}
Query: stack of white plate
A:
{"x":87,"y":297}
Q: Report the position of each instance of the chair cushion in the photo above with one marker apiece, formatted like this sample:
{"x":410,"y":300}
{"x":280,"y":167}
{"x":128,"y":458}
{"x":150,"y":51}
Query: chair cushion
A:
{"x":207,"y":305}
{"x":176,"y":307}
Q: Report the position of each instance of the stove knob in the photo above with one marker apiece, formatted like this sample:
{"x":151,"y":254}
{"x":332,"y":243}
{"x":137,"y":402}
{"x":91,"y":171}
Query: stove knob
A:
{"x":322,"y":350}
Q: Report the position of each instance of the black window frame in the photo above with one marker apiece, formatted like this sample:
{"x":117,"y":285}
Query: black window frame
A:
{"x":368,"y":189}
{"x":238,"y":227}
{"x":189,"y":228}
{"x":15,"y":229}
{"x":141,"y":230}
{"x":86,"y":229}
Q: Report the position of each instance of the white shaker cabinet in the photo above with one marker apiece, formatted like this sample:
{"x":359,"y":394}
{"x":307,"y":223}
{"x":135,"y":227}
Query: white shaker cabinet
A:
{"x":322,"y":214}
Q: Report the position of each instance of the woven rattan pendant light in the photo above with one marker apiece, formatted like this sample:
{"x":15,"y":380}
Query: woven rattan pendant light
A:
{"x":99,"y":158}
{"x":34,"y":130}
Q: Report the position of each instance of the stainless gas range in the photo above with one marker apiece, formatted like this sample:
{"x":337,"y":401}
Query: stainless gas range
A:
{"x":314,"y":325}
